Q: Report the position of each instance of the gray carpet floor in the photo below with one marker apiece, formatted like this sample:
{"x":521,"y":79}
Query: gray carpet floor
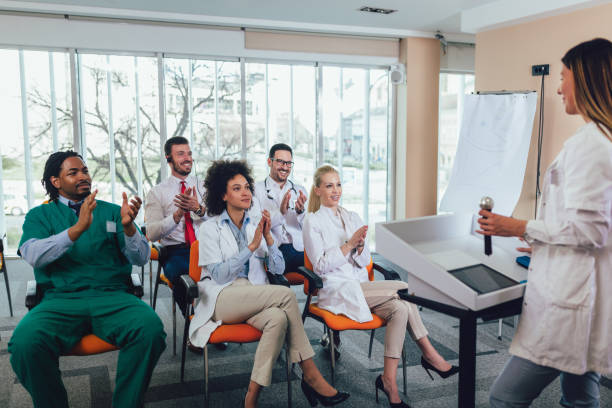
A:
{"x":90,"y":380}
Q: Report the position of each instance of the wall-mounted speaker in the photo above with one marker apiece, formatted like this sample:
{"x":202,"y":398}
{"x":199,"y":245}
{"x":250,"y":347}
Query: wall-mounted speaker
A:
{"x":398,"y":74}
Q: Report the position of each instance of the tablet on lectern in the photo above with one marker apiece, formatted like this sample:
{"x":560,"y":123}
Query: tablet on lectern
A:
{"x":482,"y":279}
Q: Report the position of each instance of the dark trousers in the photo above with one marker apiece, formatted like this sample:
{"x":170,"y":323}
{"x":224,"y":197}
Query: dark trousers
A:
{"x":293,"y":259}
{"x":175,"y":265}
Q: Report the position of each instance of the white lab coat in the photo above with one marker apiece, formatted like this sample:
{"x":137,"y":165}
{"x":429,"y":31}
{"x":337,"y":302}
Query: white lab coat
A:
{"x":285,"y":228}
{"x":218,"y":244}
{"x":341,"y":275}
{"x":566,"y":321}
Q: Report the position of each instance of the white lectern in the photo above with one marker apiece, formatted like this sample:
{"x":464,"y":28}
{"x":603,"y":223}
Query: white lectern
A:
{"x":449,"y":272}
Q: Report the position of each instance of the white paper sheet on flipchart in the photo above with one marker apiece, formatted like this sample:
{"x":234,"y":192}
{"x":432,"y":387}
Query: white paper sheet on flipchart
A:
{"x":492,"y":152}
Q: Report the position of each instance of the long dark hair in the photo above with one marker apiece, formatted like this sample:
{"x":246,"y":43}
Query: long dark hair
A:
{"x":591,"y":65}
{"x":218,"y":175}
{"x":52,"y":169}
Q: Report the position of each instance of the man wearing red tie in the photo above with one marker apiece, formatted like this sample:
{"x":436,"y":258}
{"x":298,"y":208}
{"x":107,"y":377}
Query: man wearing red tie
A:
{"x":174,"y":211}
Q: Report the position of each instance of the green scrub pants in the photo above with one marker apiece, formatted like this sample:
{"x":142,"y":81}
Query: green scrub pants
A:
{"x":53,"y":327}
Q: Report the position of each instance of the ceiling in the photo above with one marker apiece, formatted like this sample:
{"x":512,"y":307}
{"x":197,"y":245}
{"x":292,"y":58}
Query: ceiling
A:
{"x":454,"y":18}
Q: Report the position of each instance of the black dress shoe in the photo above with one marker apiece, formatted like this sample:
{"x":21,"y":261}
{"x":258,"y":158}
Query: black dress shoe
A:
{"x":194,"y":349}
{"x":444,"y":374}
{"x":314,"y":397}
{"x":380,"y":386}
{"x":221,"y":346}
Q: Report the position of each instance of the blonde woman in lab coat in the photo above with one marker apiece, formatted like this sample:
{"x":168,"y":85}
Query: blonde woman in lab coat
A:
{"x":234,"y":243}
{"x":335,"y":241}
{"x":566,"y":324}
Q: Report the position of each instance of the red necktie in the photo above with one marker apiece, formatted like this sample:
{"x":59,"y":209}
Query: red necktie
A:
{"x":189,"y":231}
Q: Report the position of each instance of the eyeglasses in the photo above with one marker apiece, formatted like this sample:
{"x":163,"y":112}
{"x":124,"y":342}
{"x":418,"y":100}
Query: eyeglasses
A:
{"x":283,"y":163}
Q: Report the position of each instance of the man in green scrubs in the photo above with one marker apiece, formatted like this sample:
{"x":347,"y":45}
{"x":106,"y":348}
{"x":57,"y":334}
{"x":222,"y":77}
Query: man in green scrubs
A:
{"x":82,"y":251}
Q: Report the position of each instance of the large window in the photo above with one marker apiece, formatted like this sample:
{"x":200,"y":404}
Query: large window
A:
{"x":35,"y":112}
{"x":453,"y":88}
{"x":328,"y":114}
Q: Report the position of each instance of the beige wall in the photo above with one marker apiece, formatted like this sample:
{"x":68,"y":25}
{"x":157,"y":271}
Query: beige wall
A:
{"x":503,"y":61}
{"x":317,"y":43}
{"x":417,"y":154}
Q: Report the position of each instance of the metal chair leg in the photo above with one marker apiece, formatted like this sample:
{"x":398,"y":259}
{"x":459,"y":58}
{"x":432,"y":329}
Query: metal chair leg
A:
{"x":371,"y":342}
{"x":151,"y":282}
{"x":333,"y":355}
{"x":404,"y":371}
{"x":184,"y":348}
{"x":8,"y":289}
{"x":155,"y":291}
{"x":206,"y":396}
{"x":173,"y":323}
{"x":499,"y":329}
{"x":288,"y":376}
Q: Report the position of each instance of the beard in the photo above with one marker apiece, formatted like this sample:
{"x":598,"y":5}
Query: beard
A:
{"x":180,"y":171}
{"x":84,"y":194}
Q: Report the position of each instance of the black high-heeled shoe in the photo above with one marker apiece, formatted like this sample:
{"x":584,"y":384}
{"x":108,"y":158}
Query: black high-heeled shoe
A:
{"x":444,"y":374}
{"x":314,"y":397}
{"x":380,"y":386}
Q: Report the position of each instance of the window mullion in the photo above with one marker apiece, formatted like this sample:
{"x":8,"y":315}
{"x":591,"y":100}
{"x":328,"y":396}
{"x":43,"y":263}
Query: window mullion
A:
{"x":53,"y":102}
{"x":243,"y":127}
{"x":111,"y":130}
{"x":365,"y":154}
{"x":76,"y":102}
{"x":216,"y":110}
{"x":139,"y":163}
{"x":162,"y":114}
{"x":26,"y":134}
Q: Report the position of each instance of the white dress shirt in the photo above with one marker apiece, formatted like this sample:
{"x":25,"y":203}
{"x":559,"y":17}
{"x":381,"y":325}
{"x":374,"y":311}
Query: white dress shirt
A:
{"x":286,"y":229}
{"x":160,"y":207}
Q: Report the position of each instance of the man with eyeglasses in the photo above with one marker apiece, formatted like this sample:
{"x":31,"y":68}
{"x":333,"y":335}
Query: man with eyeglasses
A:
{"x":286,"y":202}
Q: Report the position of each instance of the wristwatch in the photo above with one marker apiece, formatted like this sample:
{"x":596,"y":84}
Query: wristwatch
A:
{"x":199,"y":212}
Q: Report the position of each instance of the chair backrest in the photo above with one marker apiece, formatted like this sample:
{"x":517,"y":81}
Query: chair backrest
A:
{"x":194,"y":254}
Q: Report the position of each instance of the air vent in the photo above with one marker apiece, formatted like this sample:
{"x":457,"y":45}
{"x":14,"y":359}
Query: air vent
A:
{"x":377,"y":10}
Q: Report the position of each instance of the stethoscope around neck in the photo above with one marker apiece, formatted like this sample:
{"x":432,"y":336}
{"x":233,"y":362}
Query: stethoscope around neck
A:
{"x":268,"y":190}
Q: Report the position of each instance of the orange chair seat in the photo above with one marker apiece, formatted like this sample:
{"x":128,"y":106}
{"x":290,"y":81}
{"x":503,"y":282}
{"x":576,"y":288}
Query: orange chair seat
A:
{"x":154,"y":254}
{"x":165,"y":280}
{"x":340,"y":322}
{"x":235,"y":333}
{"x":91,"y":344}
{"x":294,"y":278}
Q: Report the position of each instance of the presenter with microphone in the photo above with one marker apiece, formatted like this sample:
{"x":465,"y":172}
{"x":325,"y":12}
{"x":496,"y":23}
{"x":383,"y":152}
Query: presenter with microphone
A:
{"x":565,"y":327}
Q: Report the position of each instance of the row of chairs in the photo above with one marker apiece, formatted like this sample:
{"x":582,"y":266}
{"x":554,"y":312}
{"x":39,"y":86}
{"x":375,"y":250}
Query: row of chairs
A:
{"x":234,"y":333}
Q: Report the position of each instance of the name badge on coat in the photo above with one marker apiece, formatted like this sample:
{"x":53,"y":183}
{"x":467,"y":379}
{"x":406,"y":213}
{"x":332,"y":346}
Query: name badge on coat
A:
{"x":111,"y":226}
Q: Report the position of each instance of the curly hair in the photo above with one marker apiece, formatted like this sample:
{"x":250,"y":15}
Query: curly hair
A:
{"x":218,"y":175}
{"x":52,"y":169}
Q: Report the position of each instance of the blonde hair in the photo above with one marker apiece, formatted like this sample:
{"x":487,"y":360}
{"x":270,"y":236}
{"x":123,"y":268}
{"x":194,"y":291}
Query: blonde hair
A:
{"x":314,"y":201}
{"x":591,"y":65}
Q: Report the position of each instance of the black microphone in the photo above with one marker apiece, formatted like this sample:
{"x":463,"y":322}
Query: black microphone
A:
{"x":486,"y":203}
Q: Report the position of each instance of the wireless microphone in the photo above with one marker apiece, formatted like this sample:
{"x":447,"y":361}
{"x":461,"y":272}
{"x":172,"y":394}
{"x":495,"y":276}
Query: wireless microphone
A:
{"x":486,"y":203}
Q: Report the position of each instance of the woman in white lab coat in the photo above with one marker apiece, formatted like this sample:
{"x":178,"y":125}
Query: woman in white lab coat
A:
{"x":335,"y":241}
{"x":566,"y":325}
{"x":234,"y":244}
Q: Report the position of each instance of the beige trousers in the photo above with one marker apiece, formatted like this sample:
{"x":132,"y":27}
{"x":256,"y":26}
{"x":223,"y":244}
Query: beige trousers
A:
{"x":272,"y":309}
{"x":383,"y":300}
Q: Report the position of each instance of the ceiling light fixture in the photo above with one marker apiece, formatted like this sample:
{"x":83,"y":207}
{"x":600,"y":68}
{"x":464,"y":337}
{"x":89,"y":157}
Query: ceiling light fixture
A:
{"x":377,"y":10}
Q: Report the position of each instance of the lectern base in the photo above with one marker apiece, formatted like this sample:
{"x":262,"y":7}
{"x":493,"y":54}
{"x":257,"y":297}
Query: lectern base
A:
{"x":467,"y":338}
